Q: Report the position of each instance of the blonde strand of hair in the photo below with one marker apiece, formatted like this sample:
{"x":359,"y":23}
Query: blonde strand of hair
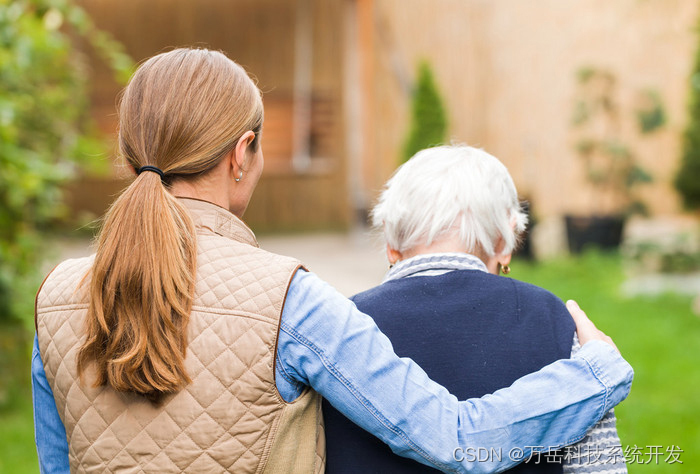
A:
{"x":141,"y":292}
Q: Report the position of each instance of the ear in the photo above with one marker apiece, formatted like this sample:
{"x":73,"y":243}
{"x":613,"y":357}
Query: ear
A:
{"x":242,"y":152}
{"x":393,"y":255}
{"x":504,"y":259}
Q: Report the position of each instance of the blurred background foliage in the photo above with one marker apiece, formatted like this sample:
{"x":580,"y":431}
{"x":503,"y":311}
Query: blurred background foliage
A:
{"x":611,"y":165}
{"x":46,"y":135}
{"x":688,"y":177}
{"x":428,"y":115}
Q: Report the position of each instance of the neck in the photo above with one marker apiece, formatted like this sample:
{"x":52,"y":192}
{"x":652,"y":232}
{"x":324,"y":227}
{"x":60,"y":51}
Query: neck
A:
{"x":212,"y":186}
{"x":187,"y":189}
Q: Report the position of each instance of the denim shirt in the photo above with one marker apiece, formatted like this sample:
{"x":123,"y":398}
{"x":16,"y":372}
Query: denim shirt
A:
{"x":325,"y":343}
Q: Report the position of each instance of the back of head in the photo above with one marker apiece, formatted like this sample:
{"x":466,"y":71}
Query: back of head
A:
{"x":451,"y":190}
{"x":182,"y":112}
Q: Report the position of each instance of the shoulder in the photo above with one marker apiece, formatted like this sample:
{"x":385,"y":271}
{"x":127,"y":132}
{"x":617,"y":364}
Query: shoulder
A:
{"x":528,"y":298}
{"x":232,"y":274}
{"x":534,"y":295}
{"x":213,"y":246}
{"x":377,"y":292}
{"x":216,"y":254}
{"x":527,"y":293}
{"x":60,"y":285}
{"x":400,"y":293}
{"x":71,"y":267}
{"x":537,"y":302}
{"x":453,"y":282}
{"x":307,"y":288}
{"x":533,"y":304}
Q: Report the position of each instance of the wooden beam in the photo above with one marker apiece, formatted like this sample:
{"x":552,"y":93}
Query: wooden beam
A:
{"x":303,"y":84}
{"x":359,"y":99}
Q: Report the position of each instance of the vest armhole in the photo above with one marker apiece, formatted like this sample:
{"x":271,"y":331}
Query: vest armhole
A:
{"x":36,"y":299}
{"x":277,"y":336}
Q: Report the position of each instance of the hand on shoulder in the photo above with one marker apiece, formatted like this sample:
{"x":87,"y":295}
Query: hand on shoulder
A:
{"x":585,"y":328}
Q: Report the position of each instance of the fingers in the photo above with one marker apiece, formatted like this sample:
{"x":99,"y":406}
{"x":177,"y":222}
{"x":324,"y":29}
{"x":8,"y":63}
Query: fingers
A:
{"x":585,"y":328}
{"x":608,"y":339}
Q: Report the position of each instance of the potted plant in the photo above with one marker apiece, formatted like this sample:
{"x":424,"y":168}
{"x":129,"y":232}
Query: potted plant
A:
{"x":610,"y":165}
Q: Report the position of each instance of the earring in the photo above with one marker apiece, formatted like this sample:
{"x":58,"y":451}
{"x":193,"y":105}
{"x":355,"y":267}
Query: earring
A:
{"x":239,"y":177}
{"x":391,"y":265}
{"x":505,"y":269}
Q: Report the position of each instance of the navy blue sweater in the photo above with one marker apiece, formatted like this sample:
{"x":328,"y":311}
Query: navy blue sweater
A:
{"x":472,"y":332}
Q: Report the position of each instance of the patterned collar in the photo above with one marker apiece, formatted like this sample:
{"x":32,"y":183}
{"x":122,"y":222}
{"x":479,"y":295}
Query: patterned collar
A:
{"x":434,"y":264}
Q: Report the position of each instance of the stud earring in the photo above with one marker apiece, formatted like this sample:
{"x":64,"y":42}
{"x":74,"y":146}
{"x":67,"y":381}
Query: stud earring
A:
{"x":505,"y":269}
{"x":239,"y":177}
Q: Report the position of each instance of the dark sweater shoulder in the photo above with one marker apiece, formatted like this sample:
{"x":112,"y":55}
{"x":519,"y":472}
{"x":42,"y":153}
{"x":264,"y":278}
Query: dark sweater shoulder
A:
{"x":533,"y":295}
{"x":491,"y":297}
{"x":478,"y":283}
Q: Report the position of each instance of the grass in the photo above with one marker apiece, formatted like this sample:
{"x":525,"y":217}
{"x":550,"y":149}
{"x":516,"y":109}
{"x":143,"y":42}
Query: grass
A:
{"x":17,"y":451}
{"x":660,"y":337}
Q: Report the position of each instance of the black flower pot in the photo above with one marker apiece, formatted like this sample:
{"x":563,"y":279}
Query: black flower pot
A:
{"x":603,"y":232}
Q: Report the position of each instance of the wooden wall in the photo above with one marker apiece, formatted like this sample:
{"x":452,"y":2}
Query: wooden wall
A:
{"x":507,"y":71}
{"x":260,"y":35}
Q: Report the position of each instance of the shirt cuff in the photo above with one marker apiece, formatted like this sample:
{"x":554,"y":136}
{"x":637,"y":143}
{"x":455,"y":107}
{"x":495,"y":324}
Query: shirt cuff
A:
{"x":608,"y":366}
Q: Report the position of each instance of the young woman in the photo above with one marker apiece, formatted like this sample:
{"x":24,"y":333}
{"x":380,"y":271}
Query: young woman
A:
{"x":182,"y":346}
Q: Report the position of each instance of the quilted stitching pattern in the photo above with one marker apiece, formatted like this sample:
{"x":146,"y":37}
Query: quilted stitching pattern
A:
{"x":321,"y":445}
{"x":222,"y":421}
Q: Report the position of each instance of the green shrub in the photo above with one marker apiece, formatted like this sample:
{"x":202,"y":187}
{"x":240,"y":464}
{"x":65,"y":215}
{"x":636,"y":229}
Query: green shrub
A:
{"x":45,"y":135}
{"x":687,"y":182}
{"x":45,"y":128}
{"x":428,"y":119}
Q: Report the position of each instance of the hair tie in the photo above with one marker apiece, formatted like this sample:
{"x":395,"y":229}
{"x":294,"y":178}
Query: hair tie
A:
{"x":155,"y":169}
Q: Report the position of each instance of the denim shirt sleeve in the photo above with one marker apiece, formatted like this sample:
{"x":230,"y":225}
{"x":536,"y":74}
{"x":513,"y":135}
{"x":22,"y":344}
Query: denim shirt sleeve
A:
{"x":49,"y":432}
{"x":327,"y":344}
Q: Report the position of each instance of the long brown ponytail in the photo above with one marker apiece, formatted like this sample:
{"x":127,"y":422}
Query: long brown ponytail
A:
{"x":181,"y":112}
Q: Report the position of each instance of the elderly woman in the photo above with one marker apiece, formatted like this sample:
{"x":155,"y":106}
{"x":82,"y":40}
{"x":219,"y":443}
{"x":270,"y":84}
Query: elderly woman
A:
{"x":451,"y":220}
{"x":181,"y":346}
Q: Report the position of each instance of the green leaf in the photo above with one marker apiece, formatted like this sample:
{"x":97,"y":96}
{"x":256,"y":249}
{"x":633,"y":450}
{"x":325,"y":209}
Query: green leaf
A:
{"x":651,"y":115}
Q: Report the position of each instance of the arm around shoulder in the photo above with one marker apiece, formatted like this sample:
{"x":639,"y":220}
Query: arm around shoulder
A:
{"x":326,"y":343}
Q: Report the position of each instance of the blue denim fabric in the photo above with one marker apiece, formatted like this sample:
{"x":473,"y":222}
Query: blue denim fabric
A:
{"x":49,"y":432}
{"x":327,"y":344}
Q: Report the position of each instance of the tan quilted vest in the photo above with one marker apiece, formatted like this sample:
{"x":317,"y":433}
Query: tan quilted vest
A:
{"x":231,"y":417}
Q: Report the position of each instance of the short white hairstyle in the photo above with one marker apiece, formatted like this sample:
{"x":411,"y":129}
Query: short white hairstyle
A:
{"x":446,"y":190}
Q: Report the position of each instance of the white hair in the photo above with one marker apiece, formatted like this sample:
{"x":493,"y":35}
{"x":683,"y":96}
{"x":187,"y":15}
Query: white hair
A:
{"x":446,"y":190}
